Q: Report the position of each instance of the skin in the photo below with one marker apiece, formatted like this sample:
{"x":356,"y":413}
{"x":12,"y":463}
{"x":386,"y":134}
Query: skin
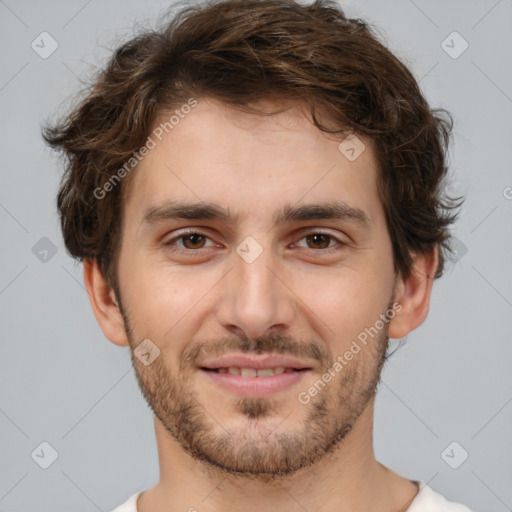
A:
{"x":198,"y":297}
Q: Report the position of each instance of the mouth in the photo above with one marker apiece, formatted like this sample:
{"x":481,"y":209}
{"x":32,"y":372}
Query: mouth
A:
{"x":255,"y":376}
{"x":254,"y":372}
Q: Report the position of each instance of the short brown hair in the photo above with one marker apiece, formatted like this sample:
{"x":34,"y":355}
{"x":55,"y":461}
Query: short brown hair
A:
{"x":240,"y":52}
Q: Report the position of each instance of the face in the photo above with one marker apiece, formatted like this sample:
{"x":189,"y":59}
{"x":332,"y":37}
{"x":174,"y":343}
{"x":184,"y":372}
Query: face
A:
{"x":255,"y":257}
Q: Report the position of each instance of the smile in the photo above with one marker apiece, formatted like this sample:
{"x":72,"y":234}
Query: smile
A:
{"x":254,"y":372}
{"x":252,"y":382}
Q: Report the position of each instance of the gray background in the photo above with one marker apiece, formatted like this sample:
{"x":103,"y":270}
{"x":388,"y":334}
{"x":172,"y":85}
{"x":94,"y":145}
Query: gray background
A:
{"x":62,"y":382}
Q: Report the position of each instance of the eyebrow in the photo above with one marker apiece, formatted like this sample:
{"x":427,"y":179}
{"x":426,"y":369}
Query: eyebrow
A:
{"x":334,"y":210}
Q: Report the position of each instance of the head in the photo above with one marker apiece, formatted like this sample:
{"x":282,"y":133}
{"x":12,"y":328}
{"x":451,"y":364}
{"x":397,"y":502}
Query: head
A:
{"x":257,"y":177}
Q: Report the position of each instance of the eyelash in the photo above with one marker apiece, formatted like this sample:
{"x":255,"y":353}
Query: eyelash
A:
{"x":329,"y":250}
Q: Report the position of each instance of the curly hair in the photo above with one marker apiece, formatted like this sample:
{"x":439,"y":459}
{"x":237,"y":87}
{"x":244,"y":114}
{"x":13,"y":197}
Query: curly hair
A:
{"x":240,"y":52}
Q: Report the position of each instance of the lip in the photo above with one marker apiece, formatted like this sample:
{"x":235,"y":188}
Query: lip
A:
{"x":256,"y":361}
{"x":255,"y":386}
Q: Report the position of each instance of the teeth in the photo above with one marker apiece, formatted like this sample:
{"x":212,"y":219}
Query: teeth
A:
{"x":252,"y":372}
{"x":268,"y":372}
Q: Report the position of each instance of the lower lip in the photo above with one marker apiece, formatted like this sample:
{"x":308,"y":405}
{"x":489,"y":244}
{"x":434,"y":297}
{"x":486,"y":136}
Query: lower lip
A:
{"x":255,"y":386}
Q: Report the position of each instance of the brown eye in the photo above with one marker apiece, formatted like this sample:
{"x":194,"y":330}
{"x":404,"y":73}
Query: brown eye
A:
{"x":193,"y":241}
{"x":318,"y":241}
{"x":322,"y":243}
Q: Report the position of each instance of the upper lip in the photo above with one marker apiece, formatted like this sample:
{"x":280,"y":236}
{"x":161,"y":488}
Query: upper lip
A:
{"x":256,"y":361}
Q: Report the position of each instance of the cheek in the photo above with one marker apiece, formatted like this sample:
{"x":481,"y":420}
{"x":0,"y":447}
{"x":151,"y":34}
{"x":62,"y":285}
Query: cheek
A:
{"x":343,"y":303}
{"x":163,"y":301}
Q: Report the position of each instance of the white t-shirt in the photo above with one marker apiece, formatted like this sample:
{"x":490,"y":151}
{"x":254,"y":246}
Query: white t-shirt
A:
{"x":427,"y":500}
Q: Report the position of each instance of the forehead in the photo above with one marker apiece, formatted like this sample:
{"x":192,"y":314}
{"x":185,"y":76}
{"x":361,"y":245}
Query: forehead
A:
{"x":220,"y":154}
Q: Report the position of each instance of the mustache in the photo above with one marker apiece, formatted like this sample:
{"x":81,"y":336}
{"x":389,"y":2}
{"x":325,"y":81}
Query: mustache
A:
{"x":274,"y":343}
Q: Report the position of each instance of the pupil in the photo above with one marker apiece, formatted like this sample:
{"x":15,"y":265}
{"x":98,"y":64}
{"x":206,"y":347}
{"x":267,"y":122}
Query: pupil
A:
{"x":194,"y":240}
{"x":319,"y":240}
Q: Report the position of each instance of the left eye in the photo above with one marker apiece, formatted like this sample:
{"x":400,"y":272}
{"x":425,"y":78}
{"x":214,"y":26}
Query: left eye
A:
{"x":319,"y":241}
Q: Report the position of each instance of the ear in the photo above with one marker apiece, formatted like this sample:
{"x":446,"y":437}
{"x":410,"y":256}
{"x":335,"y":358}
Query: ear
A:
{"x":413,"y":294}
{"x":104,"y":304}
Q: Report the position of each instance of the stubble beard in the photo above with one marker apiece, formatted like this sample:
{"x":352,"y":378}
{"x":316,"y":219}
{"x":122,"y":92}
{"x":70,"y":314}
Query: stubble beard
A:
{"x":259,"y":452}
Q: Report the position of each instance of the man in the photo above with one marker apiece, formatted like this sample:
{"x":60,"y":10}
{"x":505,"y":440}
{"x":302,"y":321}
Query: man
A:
{"x":256,"y":193}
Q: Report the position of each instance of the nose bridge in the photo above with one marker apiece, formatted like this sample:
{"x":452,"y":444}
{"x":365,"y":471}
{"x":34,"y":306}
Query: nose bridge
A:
{"x":256,"y":284}
{"x":253,"y":298}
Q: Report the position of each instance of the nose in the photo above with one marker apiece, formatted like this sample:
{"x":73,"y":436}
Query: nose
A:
{"x":254,"y":298}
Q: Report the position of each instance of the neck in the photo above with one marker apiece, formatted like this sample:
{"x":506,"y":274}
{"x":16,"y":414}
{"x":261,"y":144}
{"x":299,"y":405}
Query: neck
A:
{"x":347,"y":479}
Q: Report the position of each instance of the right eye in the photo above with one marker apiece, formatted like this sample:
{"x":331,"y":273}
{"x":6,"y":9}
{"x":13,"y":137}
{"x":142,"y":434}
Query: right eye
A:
{"x":190,"y":240}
